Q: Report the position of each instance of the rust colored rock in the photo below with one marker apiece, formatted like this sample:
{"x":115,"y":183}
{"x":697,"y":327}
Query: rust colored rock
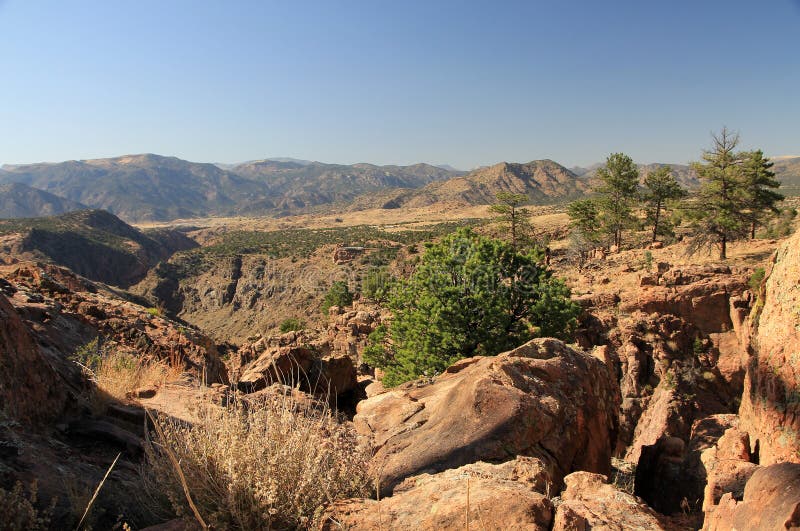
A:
{"x":770,"y":409}
{"x":543,"y":399}
{"x":497,"y":497}
{"x":31,"y":391}
{"x":589,"y":502}
{"x":287,"y":365}
{"x":771,"y":501}
{"x":728,"y":467}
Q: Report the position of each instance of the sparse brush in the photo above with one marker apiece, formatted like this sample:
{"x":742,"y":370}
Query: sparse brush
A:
{"x":19,"y":512}
{"x":272,"y":465}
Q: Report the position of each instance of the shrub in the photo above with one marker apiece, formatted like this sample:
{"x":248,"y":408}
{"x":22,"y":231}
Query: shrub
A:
{"x":376,"y":284}
{"x":272,"y":465}
{"x":339,"y":294}
{"x":19,"y":510}
{"x":755,"y":279}
{"x":292,"y":324}
{"x":470,"y":295}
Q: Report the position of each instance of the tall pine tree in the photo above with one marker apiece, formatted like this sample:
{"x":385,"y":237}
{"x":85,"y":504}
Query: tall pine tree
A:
{"x":759,"y":183}
{"x":617,"y":193}
{"x":660,"y":187}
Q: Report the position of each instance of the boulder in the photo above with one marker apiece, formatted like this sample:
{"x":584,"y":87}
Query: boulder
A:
{"x":505,"y":496}
{"x":771,"y":501}
{"x":589,"y":502}
{"x":543,"y":399}
{"x":286,"y":365}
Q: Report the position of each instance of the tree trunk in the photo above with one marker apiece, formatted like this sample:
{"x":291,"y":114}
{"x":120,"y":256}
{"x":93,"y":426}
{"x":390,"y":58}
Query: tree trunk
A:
{"x":753,"y":231}
{"x":513,"y":228}
{"x":723,"y":248}
{"x":655,"y":223}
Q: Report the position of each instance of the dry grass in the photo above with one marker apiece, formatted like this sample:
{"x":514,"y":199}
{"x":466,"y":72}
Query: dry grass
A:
{"x":121,"y":374}
{"x":274,"y":465}
{"x":117,"y":374}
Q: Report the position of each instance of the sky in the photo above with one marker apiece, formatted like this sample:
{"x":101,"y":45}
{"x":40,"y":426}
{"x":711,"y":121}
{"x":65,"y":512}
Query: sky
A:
{"x":457,"y":82}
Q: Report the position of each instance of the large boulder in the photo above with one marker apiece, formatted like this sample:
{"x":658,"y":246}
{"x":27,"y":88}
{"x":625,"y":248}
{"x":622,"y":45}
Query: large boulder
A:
{"x":770,"y":409}
{"x":543,"y":399}
{"x":589,"y":502}
{"x":771,"y":501}
{"x":504,"y":496}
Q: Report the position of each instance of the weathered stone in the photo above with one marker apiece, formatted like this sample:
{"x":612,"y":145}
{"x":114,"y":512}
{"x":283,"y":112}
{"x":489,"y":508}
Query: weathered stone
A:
{"x":542,"y":399}
{"x":589,"y":502}
{"x":496,"y":497}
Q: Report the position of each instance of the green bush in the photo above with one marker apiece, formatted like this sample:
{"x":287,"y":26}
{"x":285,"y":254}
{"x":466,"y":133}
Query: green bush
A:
{"x":376,"y":284}
{"x":469,"y":295}
{"x":339,"y":294}
{"x":756,"y":278}
{"x":292,"y":324}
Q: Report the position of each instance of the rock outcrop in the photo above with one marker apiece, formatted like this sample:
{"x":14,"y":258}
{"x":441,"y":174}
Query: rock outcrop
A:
{"x":770,"y":409}
{"x":543,"y":399}
{"x":589,"y":502}
{"x":771,"y":501}
{"x":510,"y":495}
{"x":63,"y":311}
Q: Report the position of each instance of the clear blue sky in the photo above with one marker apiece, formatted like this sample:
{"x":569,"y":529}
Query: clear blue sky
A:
{"x":458,"y":82}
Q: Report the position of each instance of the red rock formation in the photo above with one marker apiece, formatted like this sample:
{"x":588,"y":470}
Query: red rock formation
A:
{"x":504,"y":496}
{"x":771,"y":501}
{"x":542,"y":399}
{"x":770,"y":409}
{"x":589,"y":502}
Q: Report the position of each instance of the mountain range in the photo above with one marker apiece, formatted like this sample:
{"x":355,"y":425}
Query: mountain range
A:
{"x":149,"y":187}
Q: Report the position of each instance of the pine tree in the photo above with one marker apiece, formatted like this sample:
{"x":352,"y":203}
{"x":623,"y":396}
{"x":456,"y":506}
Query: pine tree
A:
{"x":718,"y":209}
{"x":469,"y":296}
{"x":617,"y":193}
{"x":660,"y":187}
{"x":759,"y":182}
{"x":508,"y":208}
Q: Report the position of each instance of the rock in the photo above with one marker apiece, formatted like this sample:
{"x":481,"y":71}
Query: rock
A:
{"x":100,"y":429}
{"x":333,"y":375}
{"x":771,"y":501}
{"x":728,"y":467}
{"x":31,"y":391}
{"x":504,"y":496}
{"x":542,"y":399}
{"x":287,"y":365}
{"x":589,"y":502}
{"x":144,"y":392}
{"x":699,"y":295}
{"x":770,"y":409}
{"x":656,"y":245}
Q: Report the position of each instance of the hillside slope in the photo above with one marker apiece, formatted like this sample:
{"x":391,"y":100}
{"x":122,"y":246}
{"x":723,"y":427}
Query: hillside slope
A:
{"x":543,"y":181}
{"x":92,"y":243}
{"x":18,"y":200}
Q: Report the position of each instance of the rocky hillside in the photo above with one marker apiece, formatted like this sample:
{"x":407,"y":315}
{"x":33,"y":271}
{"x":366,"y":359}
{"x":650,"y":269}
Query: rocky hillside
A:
{"x":298,"y":186}
{"x":152,"y":187}
{"x":787,"y":169}
{"x":143,"y":187}
{"x":543,"y":181}
{"x":92,"y":243}
{"x":21,"y":201}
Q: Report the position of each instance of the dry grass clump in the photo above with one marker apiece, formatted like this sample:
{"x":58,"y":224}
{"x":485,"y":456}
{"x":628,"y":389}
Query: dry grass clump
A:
{"x":271,"y":465}
{"x":117,"y":374}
